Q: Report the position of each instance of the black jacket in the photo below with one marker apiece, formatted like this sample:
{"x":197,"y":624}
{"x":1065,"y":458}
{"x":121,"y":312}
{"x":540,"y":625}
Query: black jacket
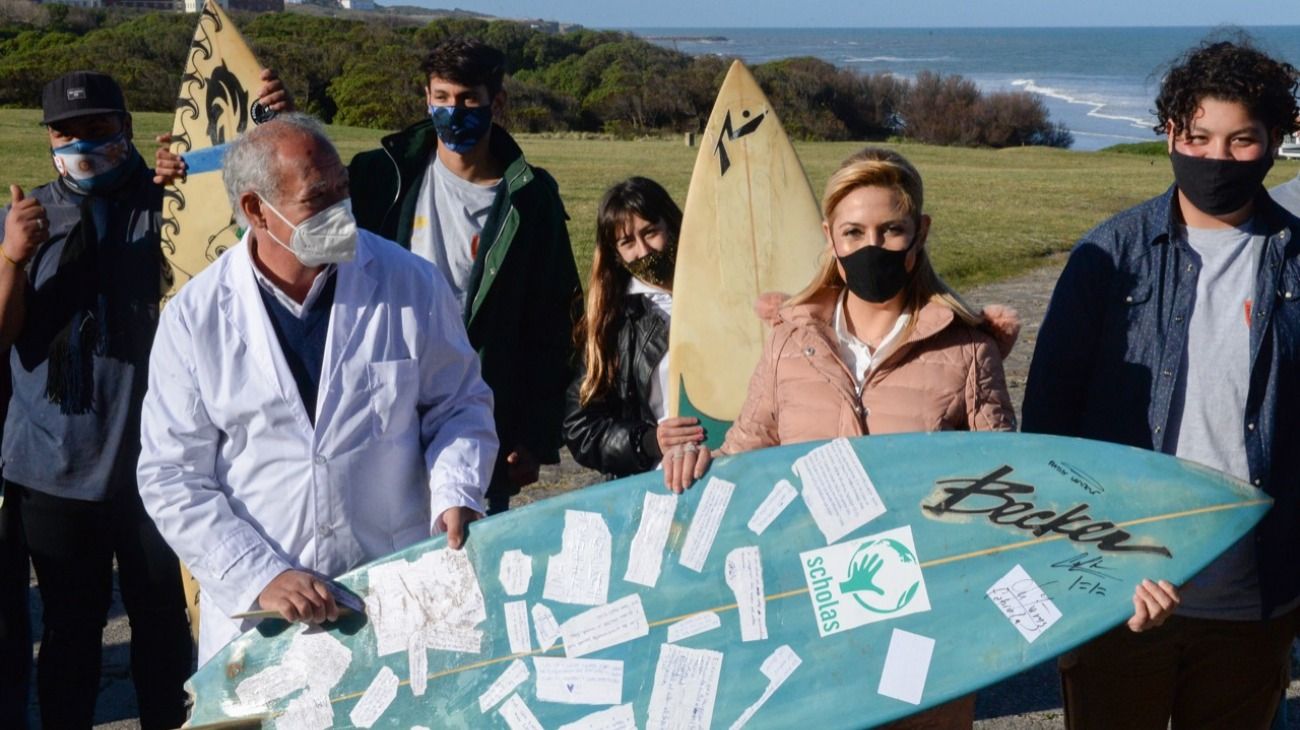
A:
{"x":615,"y":433}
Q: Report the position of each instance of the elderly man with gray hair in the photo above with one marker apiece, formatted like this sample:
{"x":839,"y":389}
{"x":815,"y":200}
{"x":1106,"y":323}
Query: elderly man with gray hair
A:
{"x":313,"y":401}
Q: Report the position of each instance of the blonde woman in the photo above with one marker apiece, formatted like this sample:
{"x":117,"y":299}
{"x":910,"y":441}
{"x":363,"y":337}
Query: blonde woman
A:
{"x":877,"y":343}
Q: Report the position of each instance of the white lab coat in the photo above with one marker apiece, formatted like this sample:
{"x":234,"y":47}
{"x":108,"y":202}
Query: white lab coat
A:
{"x":240,"y":483}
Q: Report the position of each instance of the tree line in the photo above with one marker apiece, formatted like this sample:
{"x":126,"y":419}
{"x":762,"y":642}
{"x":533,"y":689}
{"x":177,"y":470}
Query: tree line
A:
{"x":366,"y":73}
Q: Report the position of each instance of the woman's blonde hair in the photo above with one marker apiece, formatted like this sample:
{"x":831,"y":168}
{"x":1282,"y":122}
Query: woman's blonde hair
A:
{"x":874,"y":166}
{"x":596,"y":333}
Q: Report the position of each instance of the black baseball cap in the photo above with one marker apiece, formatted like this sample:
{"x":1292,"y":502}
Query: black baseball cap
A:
{"x":81,"y":94}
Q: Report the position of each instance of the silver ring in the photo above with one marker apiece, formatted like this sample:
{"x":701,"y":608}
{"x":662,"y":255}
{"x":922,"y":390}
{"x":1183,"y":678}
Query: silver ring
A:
{"x":44,"y":223}
{"x":690,"y":448}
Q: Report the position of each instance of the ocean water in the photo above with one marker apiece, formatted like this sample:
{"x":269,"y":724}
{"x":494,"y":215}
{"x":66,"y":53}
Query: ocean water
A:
{"x":1101,"y":82}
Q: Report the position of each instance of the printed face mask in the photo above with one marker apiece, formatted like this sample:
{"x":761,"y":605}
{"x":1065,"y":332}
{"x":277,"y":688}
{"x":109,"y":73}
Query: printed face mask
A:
{"x":93,"y":165}
{"x":1219,"y":187}
{"x":329,"y":237}
{"x":876,"y":274}
{"x":461,"y":127}
{"x":656,"y":267}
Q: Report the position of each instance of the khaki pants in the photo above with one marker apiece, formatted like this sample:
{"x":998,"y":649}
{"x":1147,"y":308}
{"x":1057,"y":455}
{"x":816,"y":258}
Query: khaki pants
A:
{"x":1198,"y":673}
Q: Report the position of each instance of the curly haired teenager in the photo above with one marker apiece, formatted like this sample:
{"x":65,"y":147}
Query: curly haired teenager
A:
{"x":1175,"y":327}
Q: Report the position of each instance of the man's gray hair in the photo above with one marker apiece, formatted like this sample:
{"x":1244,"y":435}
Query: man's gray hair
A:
{"x":251,"y":165}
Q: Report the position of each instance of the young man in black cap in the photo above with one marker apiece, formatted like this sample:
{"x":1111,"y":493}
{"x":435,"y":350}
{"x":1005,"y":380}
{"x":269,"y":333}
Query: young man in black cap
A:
{"x":80,"y":271}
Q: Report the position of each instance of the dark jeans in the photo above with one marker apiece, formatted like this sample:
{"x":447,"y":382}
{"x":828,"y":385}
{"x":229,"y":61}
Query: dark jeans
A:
{"x":1202,"y":674}
{"x":15,"y":628}
{"x":72,"y":545}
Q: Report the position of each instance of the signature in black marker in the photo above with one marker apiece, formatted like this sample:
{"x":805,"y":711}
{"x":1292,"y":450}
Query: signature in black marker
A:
{"x":1086,"y":563}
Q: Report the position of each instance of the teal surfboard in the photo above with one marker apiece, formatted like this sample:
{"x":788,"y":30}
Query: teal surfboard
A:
{"x":834,"y":584}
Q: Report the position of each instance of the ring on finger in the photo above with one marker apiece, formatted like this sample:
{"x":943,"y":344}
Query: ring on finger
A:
{"x":690,"y":448}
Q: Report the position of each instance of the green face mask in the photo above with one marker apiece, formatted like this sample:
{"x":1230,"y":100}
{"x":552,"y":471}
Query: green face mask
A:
{"x":656,"y":267}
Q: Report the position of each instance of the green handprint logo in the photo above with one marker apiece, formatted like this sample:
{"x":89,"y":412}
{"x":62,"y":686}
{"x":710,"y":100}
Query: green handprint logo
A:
{"x":879,"y":576}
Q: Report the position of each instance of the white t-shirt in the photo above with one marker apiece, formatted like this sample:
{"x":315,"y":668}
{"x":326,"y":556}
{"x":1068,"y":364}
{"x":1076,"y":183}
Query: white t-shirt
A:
{"x":663,"y":308}
{"x":855,"y":353}
{"x":449,"y":218}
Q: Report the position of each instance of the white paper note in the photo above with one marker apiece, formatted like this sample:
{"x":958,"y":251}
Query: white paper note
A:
{"x":521,"y":641}
{"x":437,"y":592}
{"x":271,"y":684}
{"x":615,"y":718}
{"x":579,"y":574}
{"x":310,"y":710}
{"x":646,"y":556}
{"x":837,"y":490}
{"x":1020,"y":599}
{"x":465,"y":641}
{"x":744,"y":574}
{"x":579,"y":681}
{"x":907,"y":663}
{"x":417,"y":665}
{"x":705,"y":523}
{"x":323,"y":657}
{"x":777,"y":667}
{"x":777,"y":500}
{"x":517,"y":715}
{"x":693,"y":626}
{"x":376,"y":699}
{"x":545,"y":625}
{"x":604,"y":626}
{"x":516,"y":572}
{"x":508,"y":682}
{"x":686,"y":685}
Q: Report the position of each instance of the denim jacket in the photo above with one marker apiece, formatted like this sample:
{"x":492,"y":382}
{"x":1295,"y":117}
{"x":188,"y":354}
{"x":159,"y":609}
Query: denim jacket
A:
{"x":1112,"y":343}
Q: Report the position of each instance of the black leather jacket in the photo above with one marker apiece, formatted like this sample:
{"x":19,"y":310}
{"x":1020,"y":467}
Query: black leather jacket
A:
{"x":615,"y":433}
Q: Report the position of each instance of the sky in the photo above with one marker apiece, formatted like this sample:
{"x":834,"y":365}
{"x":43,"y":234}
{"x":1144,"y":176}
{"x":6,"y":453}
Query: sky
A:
{"x":884,"y":13}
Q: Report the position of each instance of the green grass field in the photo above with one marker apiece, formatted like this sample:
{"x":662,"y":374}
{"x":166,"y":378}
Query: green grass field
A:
{"x":996,"y":213}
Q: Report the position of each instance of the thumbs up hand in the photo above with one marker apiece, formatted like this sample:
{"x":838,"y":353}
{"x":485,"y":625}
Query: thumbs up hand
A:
{"x":26,"y":228}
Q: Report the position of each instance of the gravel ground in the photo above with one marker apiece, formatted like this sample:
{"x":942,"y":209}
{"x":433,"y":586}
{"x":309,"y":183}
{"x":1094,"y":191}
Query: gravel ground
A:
{"x":1027,"y":701}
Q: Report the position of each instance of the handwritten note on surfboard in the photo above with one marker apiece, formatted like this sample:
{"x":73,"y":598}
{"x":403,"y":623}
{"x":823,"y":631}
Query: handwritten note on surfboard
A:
{"x":836,"y":584}
{"x":751,"y":225}
{"x":215,"y":105}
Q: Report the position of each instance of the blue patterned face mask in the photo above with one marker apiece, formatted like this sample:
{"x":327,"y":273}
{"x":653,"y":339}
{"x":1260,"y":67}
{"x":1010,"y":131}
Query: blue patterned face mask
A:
{"x":461,"y":127}
{"x":92,"y":165}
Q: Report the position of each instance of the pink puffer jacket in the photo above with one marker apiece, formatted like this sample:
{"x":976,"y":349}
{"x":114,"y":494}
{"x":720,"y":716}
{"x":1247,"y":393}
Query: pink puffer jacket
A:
{"x":946,"y":376}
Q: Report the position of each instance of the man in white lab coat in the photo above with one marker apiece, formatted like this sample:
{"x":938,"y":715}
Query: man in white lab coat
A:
{"x":313,"y":400}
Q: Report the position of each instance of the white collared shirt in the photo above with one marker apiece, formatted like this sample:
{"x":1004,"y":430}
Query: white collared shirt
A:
{"x":297,"y":310}
{"x":663,"y":307}
{"x":855,"y":353}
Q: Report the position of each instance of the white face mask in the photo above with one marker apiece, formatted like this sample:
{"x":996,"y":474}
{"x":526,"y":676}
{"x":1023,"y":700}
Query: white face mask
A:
{"x":329,"y":237}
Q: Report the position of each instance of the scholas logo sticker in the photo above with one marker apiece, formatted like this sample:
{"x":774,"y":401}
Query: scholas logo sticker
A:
{"x":863,"y":581}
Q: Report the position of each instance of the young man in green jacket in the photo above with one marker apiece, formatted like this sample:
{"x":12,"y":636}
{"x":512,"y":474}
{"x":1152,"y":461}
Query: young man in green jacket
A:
{"x":457,"y":190}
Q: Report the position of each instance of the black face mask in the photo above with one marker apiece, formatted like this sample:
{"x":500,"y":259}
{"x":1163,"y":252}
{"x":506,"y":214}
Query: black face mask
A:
{"x":1219,"y":187}
{"x":876,"y":274}
{"x":656,"y":267}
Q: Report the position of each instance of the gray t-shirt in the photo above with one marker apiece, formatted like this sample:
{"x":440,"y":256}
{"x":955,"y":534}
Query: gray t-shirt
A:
{"x":1287,"y":195}
{"x":1208,"y":412}
{"x":449,"y":218}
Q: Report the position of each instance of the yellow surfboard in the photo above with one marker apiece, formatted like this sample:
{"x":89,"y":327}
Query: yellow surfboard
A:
{"x":216,"y":104}
{"x":751,"y":225}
